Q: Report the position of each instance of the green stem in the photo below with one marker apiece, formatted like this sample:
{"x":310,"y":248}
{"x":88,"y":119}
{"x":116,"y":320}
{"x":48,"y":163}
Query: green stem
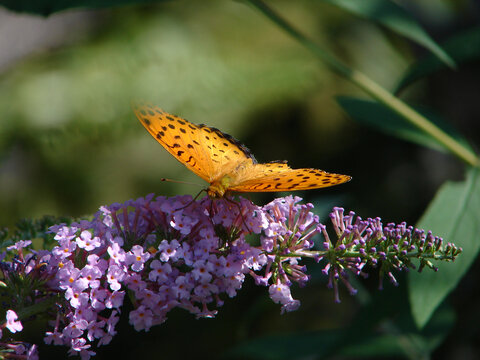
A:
{"x":355,"y":254}
{"x":372,"y":88}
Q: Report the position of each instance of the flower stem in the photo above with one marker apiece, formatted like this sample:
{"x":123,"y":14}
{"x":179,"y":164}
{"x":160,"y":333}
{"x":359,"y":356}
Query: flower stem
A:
{"x":372,"y":88}
{"x":358,"y":254}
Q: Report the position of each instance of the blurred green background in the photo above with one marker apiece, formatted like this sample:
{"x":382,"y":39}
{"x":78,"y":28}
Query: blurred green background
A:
{"x":69,"y":141}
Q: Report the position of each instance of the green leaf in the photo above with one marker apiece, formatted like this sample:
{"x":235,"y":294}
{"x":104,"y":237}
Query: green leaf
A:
{"x":382,"y":118}
{"x":396,"y":19}
{"x":396,"y":340}
{"x":453,"y":215}
{"x":463,"y":47}
{"x":48,"y":7}
{"x":384,"y":327}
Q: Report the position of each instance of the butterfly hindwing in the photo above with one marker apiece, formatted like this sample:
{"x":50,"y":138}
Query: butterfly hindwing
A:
{"x":280,"y":177}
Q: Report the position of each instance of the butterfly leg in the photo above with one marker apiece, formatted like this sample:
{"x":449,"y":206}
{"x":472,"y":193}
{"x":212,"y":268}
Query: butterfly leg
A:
{"x":192,"y":201}
{"x":240,"y":211}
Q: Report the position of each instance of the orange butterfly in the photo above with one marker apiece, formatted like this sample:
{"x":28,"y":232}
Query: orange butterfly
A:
{"x":223,"y":161}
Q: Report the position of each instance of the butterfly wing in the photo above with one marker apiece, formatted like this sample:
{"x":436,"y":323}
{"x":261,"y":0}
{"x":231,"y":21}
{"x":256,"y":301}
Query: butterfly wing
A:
{"x":223,"y":161}
{"x":273,"y":177}
{"x":206,"y":151}
{"x":225,"y":152}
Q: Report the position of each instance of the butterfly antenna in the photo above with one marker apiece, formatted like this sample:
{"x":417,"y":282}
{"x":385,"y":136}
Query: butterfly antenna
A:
{"x":181,"y":182}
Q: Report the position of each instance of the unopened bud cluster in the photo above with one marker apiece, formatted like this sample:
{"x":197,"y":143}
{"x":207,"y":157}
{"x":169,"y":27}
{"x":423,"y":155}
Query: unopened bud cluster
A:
{"x":368,"y":242}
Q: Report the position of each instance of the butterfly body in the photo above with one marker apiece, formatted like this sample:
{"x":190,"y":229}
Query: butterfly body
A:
{"x":218,"y":188}
{"x":222,"y":161}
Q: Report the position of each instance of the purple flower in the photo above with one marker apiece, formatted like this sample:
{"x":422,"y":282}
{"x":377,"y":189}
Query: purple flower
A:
{"x":12,"y":324}
{"x":135,"y":282}
{"x":97,"y":298}
{"x":117,"y":254}
{"x":80,"y":347}
{"x":205,"y":289}
{"x":114,"y":277}
{"x":54,"y":337}
{"x":169,"y":250}
{"x":182,"y":223}
{"x":85,"y":241}
{"x":159,"y":271}
{"x":201,"y":270}
{"x":91,"y":276}
{"x":255,"y":259}
{"x":182,"y":287}
{"x":75,"y":328}
{"x":232,"y":284}
{"x":94,"y":260}
{"x":141,"y":318}
{"x":76,"y":297}
{"x":19,"y":245}
{"x":66,"y":248}
{"x":280,"y":293}
{"x":95,"y":330}
{"x":115,"y":300}
{"x":149,"y":298}
{"x":136,"y":258}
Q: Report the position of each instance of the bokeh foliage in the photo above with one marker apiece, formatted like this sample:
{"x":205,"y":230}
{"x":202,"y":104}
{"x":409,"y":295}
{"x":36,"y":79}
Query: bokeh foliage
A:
{"x":67,"y":120}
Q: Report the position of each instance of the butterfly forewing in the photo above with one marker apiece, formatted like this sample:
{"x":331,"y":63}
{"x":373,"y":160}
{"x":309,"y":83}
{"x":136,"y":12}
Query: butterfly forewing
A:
{"x":206,"y":151}
{"x":182,"y":139}
{"x":225,"y":153}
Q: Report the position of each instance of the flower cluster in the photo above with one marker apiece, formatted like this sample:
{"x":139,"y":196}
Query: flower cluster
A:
{"x":24,"y":273}
{"x":168,"y":253}
{"x":368,"y":242}
{"x":287,"y":238}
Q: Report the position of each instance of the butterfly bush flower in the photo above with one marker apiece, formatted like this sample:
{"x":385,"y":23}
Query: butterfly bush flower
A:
{"x":12,"y":324}
{"x":166,"y":253}
{"x":387,"y":247}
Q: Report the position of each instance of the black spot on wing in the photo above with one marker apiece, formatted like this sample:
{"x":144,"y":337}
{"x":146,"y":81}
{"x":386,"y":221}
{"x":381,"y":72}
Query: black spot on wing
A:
{"x":230,"y":140}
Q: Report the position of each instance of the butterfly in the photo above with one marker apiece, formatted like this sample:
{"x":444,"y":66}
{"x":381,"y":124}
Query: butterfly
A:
{"x":225,"y":163}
